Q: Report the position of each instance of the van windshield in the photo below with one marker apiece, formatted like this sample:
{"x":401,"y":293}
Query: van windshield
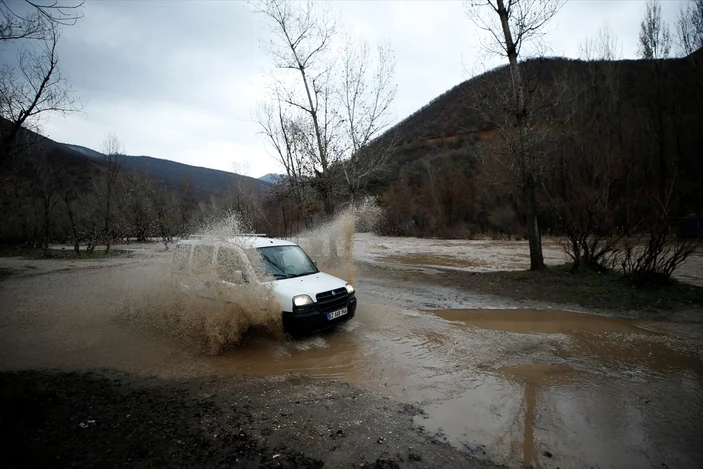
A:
{"x":286,"y":261}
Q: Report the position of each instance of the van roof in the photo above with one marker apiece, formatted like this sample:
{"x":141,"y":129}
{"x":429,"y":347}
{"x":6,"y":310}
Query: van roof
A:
{"x":244,"y":241}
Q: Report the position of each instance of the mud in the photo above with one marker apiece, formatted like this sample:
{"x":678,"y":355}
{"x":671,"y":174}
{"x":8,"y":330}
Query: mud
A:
{"x":536,"y":387}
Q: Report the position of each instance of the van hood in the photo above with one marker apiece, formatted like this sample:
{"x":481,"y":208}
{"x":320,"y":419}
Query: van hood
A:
{"x":311,"y":285}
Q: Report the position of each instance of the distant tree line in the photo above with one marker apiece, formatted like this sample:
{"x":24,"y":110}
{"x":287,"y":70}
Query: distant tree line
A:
{"x":49,"y":198}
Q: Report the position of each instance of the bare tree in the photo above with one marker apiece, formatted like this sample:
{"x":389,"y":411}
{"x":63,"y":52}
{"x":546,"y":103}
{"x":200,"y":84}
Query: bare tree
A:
{"x":366,"y":94}
{"x":136,"y":188}
{"x":689,"y":28}
{"x":652,"y":258}
{"x":655,"y":44}
{"x":165,"y":207}
{"x":285,"y":139}
{"x":103,"y":184}
{"x":243,"y":198}
{"x":35,"y":19}
{"x":46,"y":188}
{"x":511,"y":24}
{"x":32,"y":88}
{"x":655,"y":39}
{"x":604,"y":46}
{"x":67,"y":188}
{"x":186,"y":204}
{"x":303,"y":35}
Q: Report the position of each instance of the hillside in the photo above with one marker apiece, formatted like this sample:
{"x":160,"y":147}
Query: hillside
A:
{"x":644,"y":115}
{"x":206,"y":181}
{"x":454,"y":119}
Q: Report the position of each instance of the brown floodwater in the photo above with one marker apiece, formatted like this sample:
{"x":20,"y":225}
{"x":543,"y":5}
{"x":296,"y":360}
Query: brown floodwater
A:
{"x":614,"y":342}
{"x":434,"y":260}
{"x":519,"y":387}
{"x":591,"y":404}
{"x":535,"y":321}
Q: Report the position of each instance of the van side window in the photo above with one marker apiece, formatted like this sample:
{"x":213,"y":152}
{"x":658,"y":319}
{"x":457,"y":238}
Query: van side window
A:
{"x":202,"y":258}
{"x":229,"y":262}
{"x":180,"y":260}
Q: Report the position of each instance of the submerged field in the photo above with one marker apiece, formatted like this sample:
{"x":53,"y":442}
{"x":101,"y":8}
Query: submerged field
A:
{"x":450,"y":361}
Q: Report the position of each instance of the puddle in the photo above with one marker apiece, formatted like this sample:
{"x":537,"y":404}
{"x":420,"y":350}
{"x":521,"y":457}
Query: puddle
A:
{"x":330,"y":356}
{"x":616,"y":343}
{"x":530,"y":321}
{"x":605,"y":401}
{"x":538,"y":374}
{"x":542,"y":415}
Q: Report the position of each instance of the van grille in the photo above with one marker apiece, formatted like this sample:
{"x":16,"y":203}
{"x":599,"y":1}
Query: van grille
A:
{"x":333,"y":305}
{"x":330,"y":295}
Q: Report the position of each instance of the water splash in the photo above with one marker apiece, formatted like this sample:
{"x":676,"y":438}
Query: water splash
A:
{"x":198,"y":305}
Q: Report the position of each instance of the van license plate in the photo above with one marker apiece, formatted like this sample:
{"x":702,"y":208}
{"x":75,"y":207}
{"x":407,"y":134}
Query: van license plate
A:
{"x":336,"y":314}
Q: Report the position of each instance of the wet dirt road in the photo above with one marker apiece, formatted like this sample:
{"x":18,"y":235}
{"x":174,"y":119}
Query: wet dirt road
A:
{"x":530,"y":386}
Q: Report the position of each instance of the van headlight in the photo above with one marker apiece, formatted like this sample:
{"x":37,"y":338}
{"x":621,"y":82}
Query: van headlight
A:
{"x":302,"y":300}
{"x":350,"y":289}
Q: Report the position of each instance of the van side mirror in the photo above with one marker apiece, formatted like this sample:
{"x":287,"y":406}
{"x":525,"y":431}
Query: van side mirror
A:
{"x":315,"y":263}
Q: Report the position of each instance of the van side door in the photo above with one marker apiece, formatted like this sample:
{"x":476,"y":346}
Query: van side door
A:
{"x":231,"y":269}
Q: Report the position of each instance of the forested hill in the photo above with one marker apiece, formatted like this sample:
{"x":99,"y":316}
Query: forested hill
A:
{"x":457,"y":115}
{"x":205,"y":181}
{"x":645,"y":113}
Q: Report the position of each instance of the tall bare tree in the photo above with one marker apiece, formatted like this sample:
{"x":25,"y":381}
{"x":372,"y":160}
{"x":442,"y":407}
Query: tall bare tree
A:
{"x":654,"y":45}
{"x":367,"y":92}
{"x":689,"y":27}
{"x":284,"y":136}
{"x":33,"y":85}
{"x":327,"y":109}
{"x":511,"y":24}
{"x":655,"y":39}
{"x":67,"y":188}
{"x":46,"y":188}
{"x":104,"y":183}
{"x":604,"y":46}
{"x":303,"y":35}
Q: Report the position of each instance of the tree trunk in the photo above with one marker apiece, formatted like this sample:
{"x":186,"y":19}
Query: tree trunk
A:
{"x":45,"y":240}
{"x":106,"y":232}
{"x":533,"y":232}
{"x":526,"y":171}
{"x":74,"y":228}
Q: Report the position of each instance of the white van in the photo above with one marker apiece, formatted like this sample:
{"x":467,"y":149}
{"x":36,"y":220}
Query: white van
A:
{"x":310,"y":300}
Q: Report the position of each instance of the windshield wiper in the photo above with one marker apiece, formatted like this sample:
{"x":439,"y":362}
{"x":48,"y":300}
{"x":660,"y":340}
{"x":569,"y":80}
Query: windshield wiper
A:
{"x":275,"y":265}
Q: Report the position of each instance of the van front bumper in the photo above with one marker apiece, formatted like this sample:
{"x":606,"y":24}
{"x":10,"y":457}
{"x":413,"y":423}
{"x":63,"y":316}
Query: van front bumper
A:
{"x":314,"y":317}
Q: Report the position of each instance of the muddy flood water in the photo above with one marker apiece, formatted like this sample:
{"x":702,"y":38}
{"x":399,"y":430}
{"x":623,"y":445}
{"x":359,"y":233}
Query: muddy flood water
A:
{"x":515,"y":386}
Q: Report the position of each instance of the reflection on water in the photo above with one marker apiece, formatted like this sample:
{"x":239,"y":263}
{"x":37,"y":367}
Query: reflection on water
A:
{"x":552,"y":414}
{"x":534,"y":378}
{"x":616,"y":343}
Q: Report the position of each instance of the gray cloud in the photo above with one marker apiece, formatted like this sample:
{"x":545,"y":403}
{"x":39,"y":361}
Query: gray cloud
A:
{"x":178,"y":80}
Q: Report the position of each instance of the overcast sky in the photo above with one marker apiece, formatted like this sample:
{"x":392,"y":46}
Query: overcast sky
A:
{"x":178,"y":80}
